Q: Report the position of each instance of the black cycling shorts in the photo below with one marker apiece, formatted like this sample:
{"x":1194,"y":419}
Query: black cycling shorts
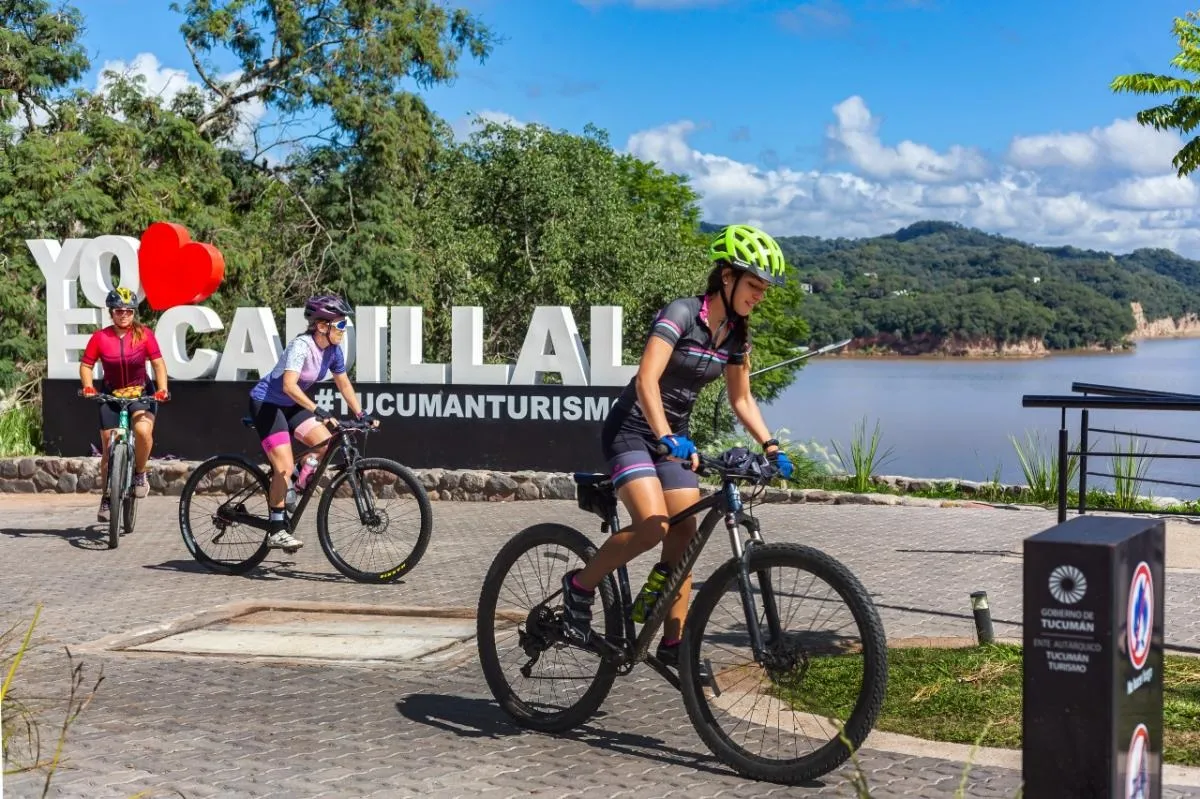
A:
{"x":110,"y":412}
{"x":276,"y":424}
{"x":630,"y":455}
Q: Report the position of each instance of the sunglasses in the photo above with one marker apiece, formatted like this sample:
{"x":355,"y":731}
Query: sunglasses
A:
{"x":122,"y":312}
{"x":340,"y":325}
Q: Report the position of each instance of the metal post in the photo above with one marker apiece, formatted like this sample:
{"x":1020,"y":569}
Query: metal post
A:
{"x":1062,"y":469}
{"x":983,"y":617}
{"x":1083,"y":439}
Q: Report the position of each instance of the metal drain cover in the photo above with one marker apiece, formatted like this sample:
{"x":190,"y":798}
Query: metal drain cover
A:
{"x":318,"y":634}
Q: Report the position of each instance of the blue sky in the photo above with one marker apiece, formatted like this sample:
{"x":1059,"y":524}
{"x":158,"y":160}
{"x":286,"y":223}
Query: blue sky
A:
{"x":830,"y":117}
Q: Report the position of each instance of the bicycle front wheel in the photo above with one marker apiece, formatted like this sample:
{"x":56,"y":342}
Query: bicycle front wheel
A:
{"x":216,"y":498}
{"x":782,"y":719}
{"x":118,"y":456}
{"x":381,"y":518}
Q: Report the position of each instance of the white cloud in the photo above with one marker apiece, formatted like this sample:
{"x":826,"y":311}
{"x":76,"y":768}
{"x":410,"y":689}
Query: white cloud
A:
{"x":856,"y":131}
{"x":166,"y":82}
{"x":1062,"y":188}
{"x":160,"y":81}
{"x":465,"y":125}
{"x":1124,"y":144}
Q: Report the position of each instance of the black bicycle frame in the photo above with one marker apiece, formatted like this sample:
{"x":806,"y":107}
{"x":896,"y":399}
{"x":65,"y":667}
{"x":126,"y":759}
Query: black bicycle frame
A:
{"x":342,"y":446}
{"x":726,"y":502}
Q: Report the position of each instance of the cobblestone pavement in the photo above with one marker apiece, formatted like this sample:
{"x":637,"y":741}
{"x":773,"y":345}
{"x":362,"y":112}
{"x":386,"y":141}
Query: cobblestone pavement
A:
{"x":191,"y":726}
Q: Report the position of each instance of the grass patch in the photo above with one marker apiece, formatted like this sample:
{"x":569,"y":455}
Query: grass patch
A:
{"x":863,"y":457}
{"x":972,"y":695}
{"x":20,"y":431}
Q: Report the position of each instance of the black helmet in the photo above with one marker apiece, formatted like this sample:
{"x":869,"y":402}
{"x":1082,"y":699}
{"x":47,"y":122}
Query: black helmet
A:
{"x":327,"y":307}
{"x":121,"y":297}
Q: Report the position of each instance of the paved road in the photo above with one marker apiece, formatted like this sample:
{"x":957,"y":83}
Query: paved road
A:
{"x":167,"y":725}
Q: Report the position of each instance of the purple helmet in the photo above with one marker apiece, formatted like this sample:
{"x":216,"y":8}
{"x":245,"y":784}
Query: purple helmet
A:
{"x":327,"y":307}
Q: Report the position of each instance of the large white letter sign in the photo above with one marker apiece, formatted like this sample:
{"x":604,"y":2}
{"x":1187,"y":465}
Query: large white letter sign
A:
{"x":466,"y":351}
{"x":171,"y":333}
{"x":407,"y":350}
{"x":370,"y":343}
{"x":606,"y":367}
{"x":254,"y":327}
{"x":59,"y":264}
{"x":553,"y":326}
{"x":95,"y":267}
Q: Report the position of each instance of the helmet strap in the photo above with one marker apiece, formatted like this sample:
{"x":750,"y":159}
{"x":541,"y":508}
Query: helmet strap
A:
{"x":727,"y":301}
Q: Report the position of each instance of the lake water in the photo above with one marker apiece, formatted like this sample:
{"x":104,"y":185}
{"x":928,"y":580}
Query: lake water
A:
{"x":953,"y":418}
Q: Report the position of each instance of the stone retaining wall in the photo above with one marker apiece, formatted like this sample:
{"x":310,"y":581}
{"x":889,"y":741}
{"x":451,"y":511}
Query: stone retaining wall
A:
{"x":167,"y":477}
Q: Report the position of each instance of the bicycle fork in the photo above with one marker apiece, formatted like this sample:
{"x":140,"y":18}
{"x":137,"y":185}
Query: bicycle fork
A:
{"x":746,"y":588}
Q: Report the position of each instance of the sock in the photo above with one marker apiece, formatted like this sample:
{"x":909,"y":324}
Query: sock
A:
{"x":671,"y":642}
{"x":575,"y":584}
{"x":276,"y":514}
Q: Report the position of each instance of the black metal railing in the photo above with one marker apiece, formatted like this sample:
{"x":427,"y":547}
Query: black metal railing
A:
{"x":1101,"y":397}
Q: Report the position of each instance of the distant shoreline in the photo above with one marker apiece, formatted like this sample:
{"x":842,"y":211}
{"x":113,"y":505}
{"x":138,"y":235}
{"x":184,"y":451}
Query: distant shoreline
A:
{"x":861,"y":355}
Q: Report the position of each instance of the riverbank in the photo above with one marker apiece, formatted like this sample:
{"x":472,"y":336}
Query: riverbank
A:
{"x":889,"y":347}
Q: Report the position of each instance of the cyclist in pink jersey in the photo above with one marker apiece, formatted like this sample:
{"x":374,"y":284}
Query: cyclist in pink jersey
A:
{"x":281,"y":409}
{"x":123,"y":348}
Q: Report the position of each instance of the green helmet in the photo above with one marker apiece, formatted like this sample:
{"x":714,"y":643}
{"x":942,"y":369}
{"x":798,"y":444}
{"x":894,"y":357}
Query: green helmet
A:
{"x":751,"y":250}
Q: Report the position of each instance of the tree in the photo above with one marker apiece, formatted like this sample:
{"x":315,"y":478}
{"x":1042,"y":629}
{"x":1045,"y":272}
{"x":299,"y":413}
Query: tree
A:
{"x":519,"y":216}
{"x":1182,"y":113}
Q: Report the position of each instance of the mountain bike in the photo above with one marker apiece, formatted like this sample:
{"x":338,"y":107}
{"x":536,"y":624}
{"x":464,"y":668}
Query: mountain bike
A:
{"x":235,"y":539}
{"x":748,"y":683}
{"x":122,"y":500}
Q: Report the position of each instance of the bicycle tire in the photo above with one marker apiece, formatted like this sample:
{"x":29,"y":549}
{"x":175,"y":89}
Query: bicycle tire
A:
{"x":485,"y":625}
{"x":871,"y":696}
{"x":185,"y":528}
{"x":117,"y":455}
{"x":406,"y":564}
{"x":130,"y":513}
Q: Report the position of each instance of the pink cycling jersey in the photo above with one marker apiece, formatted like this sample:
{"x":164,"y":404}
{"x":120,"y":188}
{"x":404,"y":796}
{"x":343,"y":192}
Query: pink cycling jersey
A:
{"x":124,"y":360}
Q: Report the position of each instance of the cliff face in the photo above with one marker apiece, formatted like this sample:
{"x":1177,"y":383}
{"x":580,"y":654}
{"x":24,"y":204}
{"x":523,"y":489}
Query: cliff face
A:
{"x":1184,"y":327}
{"x":947,"y":346}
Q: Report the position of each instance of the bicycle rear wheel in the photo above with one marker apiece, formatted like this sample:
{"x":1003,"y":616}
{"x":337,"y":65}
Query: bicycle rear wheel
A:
{"x":519,"y":633}
{"x":219,"y":491}
{"x":782,"y":720}
{"x":117,"y":457}
{"x":382,"y":526}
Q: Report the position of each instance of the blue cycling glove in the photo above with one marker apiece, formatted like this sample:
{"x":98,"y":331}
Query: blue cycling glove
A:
{"x":679,"y":446}
{"x":783,"y":463}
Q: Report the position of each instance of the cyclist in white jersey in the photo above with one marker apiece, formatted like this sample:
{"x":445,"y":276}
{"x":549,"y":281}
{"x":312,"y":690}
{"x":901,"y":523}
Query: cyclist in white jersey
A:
{"x":281,"y":409}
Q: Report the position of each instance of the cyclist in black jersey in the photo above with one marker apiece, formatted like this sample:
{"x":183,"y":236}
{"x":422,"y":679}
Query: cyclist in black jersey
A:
{"x":692,"y":342}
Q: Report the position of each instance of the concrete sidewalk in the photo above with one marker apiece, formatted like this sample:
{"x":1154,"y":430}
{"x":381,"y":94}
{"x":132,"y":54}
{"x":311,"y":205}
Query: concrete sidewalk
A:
{"x":319,"y":724}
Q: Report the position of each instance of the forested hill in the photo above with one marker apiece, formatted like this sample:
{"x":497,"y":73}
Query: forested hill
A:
{"x":940,"y":287}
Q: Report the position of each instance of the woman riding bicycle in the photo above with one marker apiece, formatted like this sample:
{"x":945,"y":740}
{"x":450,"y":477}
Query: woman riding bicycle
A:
{"x":693,"y":341}
{"x":281,"y":409}
{"x":123,"y":349}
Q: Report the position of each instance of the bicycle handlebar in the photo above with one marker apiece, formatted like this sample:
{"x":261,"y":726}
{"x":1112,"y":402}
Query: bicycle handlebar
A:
{"x":715,"y":465}
{"x":100,"y":396}
{"x":351,"y":424}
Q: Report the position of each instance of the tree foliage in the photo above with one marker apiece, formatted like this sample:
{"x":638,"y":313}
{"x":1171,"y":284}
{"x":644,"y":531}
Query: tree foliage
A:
{"x":1183,"y":113}
{"x":346,"y":180}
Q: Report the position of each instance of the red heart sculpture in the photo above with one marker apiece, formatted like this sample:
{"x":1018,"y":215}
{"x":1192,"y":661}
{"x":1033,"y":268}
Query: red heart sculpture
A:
{"x":174,"y":270}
